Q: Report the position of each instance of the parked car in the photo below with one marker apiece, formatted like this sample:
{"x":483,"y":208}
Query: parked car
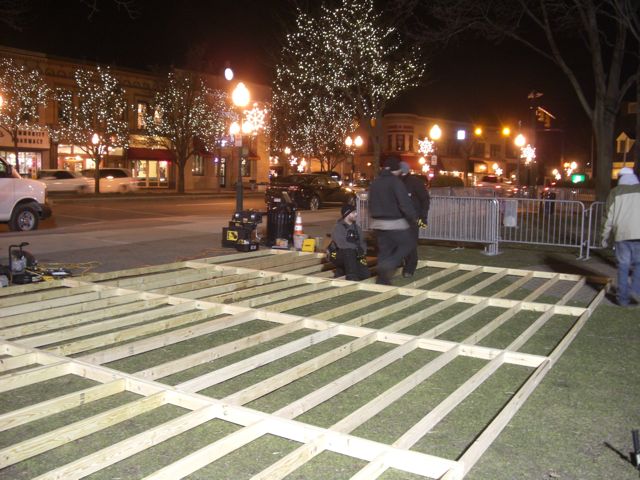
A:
{"x":500,"y":185}
{"x":23,"y":202}
{"x":309,"y":191}
{"x":118,"y":180}
{"x":65,"y":181}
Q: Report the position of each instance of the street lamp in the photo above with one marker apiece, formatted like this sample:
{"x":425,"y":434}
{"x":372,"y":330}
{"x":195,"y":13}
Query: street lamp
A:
{"x":350,"y":143}
{"x":519,"y":142}
{"x":240,"y":97}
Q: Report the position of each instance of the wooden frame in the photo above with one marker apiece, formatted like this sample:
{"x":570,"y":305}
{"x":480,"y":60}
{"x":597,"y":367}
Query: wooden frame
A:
{"x":76,"y":326}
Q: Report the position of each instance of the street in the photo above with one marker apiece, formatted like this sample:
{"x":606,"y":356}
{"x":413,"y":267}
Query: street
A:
{"x":112,"y":234}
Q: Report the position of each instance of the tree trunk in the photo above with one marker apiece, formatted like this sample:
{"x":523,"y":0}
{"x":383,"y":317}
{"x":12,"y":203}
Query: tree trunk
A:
{"x":182,"y":162}
{"x":96,"y":171}
{"x":603,"y":127}
{"x":374,"y":129}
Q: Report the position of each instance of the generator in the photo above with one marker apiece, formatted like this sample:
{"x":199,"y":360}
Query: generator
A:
{"x":281,"y":219}
{"x":242,"y":232}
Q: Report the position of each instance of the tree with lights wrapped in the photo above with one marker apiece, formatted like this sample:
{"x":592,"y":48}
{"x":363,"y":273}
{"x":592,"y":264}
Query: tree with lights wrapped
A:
{"x":96,"y":120}
{"x":23,"y":93}
{"x":350,"y":59}
{"x":187,"y":115}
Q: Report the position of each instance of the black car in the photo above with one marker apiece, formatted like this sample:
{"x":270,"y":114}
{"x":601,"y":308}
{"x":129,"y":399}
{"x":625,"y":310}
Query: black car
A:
{"x":308,"y":191}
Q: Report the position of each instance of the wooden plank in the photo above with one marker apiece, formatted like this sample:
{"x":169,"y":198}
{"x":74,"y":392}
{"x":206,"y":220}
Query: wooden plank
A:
{"x":452,"y":268}
{"x":19,"y":361}
{"x":353,"y":306}
{"x":55,"y":438}
{"x":223,"y":374}
{"x":211,"y":354}
{"x":421,"y":315}
{"x":305,"y":287}
{"x":126,"y":448}
{"x":575,"y":289}
{"x":486,"y":282}
{"x":38,"y":374}
{"x":129,"y":333}
{"x":514,"y":286}
{"x":542,"y":288}
{"x":458,"y":280}
{"x":275,"y":382}
{"x":92,"y":328}
{"x":59,"y":404}
{"x":201,"y":288}
{"x":455,"y":320}
{"x":43,"y":296}
{"x":84,"y":294}
{"x":165,"y":339}
{"x":315,"y":298}
{"x":389,"y":309}
{"x":98,"y":313}
{"x":493,"y":324}
{"x":256,"y":288}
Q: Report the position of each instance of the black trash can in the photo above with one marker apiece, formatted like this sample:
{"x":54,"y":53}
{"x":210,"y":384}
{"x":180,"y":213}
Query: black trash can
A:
{"x":281,"y":220}
{"x":548,"y":206}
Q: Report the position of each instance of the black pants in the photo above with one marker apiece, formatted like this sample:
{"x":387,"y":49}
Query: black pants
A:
{"x":393,"y":246}
{"x":411,"y":260}
{"x":348,"y":264}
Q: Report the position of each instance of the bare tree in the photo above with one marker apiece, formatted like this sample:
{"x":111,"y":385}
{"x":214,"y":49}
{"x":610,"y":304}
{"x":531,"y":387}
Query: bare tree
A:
{"x":95,"y":120}
{"x":569,"y":33}
{"x":187,"y":114}
{"x":23,"y":92}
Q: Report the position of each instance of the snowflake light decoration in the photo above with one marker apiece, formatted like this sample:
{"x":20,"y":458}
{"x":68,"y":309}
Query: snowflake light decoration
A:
{"x":528,"y":153}
{"x":256,"y":117}
{"x":425,"y":146}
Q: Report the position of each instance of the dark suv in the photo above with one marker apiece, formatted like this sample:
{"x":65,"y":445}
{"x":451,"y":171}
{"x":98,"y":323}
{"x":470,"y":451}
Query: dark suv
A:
{"x":309,"y":191}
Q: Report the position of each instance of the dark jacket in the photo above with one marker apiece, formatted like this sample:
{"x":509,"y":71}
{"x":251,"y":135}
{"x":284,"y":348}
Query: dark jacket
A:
{"x":389,"y":199}
{"x":349,"y":237}
{"x":419,"y":195}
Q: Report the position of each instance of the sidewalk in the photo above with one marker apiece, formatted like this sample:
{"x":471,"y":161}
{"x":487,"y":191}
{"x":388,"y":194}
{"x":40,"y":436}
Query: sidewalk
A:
{"x":59,"y":197}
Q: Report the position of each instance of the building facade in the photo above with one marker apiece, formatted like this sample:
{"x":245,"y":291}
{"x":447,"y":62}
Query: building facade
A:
{"x":154,"y":168}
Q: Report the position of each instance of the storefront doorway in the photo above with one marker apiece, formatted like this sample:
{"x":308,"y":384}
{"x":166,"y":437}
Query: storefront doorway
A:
{"x":151,"y":173}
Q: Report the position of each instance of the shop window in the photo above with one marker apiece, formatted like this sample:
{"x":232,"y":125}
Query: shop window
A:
{"x":142,"y":111}
{"x":197,"y":165}
{"x":411,"y":143}
{"x":245,"y":167}
{"x":400,"y":143}
{"x":389,"y":143}
{"x":478,"y":150}
{"x":27,"y":164}
{"x":495,"y":151}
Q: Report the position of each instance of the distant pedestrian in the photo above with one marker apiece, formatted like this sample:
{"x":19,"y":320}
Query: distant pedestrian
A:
{"x":421,"y":200}
{"x":622,"y":217}
{"x":350,"y":257}
{"x":392,"y":214}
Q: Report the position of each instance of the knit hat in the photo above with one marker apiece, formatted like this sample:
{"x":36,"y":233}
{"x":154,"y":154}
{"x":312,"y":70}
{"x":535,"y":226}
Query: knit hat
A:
{"x":392,"y":163}
{"x":346,"y":210}
{"x":404,"y":168}
{"x":627,"y":177}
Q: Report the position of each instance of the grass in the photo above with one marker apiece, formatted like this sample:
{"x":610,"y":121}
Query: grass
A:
{"x":576,"y":425}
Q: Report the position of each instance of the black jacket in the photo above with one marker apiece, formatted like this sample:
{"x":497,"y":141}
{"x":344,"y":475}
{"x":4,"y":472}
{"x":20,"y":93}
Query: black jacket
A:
{"x":419,"y":195}
{"x":389,"y":199}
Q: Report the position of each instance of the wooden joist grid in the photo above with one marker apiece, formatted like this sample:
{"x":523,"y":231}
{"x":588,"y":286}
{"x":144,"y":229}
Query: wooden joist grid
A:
{"x":265,"y":347}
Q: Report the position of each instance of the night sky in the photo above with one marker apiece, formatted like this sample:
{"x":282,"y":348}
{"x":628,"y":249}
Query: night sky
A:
{"x":471,"y":81}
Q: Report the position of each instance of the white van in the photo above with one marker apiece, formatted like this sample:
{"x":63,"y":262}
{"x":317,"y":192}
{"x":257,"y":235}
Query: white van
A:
{"x":114,"y":180}
{"x":23,"y":202}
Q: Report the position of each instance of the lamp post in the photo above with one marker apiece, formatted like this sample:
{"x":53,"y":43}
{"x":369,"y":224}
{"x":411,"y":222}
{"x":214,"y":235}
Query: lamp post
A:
{"x":350,"y":143}
{"x":519,"y":142}
{"x":240,"y":97}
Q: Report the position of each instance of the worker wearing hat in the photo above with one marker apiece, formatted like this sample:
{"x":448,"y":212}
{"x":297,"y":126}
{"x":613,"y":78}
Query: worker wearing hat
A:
{"x":622,"y":218}
{"x":349,"y":254}
{"x":391,"y":216}
{"x":421,"y":200}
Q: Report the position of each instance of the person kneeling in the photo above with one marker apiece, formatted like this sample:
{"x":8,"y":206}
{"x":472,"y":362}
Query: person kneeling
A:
{"x":349,"y":257}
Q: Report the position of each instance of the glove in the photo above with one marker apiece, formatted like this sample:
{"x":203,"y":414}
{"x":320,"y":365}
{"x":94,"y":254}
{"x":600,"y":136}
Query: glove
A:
{"x":363,"y":260}
{"x":422,"y":223}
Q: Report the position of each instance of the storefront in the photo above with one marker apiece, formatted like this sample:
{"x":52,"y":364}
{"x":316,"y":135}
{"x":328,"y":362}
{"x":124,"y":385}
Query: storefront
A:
{"x":33,"y":149}
{"x":28,"y":163}
{"x":151,"y":167}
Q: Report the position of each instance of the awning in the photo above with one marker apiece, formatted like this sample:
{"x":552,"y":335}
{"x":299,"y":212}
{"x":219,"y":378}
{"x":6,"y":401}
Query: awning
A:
{"x":135,"y":153}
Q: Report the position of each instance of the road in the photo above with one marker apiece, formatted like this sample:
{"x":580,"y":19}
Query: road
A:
{"x":112,"y":234}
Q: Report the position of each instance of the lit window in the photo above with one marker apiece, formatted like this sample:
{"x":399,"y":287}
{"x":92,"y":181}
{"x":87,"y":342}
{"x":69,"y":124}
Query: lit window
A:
{"x":141,"y":112}
{"x":197,"y":166}
{"x":461,"y":134}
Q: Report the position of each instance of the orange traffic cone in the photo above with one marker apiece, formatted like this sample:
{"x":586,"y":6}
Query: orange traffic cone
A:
{"x":297,"y":229}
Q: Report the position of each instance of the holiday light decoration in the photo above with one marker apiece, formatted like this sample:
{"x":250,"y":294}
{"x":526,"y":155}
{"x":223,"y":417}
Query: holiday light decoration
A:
{"x":337,"y":70}
{"x":425,"y":147}
{"x":96,"y":122}
{"x":528,"y":153}
{"x":190,"y":117}
{"x":256,"y":117}
{"x":23,"y":91}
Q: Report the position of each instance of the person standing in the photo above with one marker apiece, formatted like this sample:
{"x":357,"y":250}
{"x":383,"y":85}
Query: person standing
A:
{"x":350,"y":258}
{"x":391,"y":216}
{"x":420,"y":199}
{"x":622,"y":217}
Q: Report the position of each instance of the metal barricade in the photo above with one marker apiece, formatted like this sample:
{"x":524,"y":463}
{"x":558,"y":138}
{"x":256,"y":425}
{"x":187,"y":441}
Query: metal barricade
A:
{"x":492,"y":221}
{"x":595,"y":220}
{"x":463,"y":219}
{"x":543,"y":222}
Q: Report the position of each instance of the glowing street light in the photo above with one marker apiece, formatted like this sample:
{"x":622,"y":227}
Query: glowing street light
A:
{"x":350,"y":143}
{"x":520,"y":140}
{"x":435,"y":133}
{"x":240,"y":97}
{"x":506,"y":131}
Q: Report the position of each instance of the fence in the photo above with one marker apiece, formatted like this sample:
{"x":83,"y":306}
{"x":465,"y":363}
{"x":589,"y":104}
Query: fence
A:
{"x":491,"y":221}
